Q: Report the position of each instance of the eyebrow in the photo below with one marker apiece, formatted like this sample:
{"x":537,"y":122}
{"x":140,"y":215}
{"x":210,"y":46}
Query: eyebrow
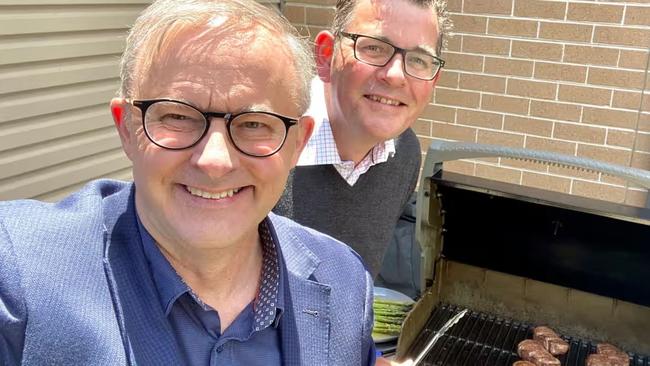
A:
{"x":421,"y":48}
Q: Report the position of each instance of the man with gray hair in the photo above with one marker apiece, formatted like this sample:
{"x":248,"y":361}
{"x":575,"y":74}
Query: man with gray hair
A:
{"x":186,"y":266}
{"x":376,"y":71}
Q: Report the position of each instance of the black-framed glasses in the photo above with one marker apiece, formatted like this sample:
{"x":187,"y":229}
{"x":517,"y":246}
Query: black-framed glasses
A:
{"x":376,"y":52}
{"x":177,"y":125}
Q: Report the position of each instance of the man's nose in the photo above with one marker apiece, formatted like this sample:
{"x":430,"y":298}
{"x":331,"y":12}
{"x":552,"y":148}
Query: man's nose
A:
{"x":393,"y":71}
{"x":215,"y":155}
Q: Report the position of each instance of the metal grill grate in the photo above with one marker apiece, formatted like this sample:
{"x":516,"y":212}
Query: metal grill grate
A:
{"x":480,"y":339}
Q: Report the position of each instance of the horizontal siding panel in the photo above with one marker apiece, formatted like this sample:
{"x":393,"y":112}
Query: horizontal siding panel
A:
{"x":59,"y":194}
{"x":22,"y":49}
{"x":53,"y":126}
{"x":31,"y":20}
{"x":53,"y":100}
{"x":60,"y":176}
{"x":34,"y":157}
{"x":29,"y":76}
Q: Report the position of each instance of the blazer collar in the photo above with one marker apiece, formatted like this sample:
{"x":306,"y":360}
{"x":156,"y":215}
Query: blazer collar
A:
{"x":147,"y":336}
{"x":305,"y":324}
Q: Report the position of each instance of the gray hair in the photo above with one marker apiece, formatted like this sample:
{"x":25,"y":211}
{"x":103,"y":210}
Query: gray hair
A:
{"x":163,"y":18}
{"x":345,"y":9}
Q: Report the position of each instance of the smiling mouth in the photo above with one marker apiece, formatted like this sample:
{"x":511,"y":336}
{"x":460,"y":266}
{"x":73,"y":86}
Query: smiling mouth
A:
{"x":212,"y":195}
{"x":383,"y":100}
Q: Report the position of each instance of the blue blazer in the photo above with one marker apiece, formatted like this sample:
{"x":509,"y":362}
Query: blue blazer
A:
{"x":74,"y":289}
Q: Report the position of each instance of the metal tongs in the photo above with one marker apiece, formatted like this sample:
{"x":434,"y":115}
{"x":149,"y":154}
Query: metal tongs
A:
{"x":450,"y":323}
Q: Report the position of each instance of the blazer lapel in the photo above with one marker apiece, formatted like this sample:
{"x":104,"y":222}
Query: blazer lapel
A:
{"x":147,"y":336}
{"x":305,"y":323}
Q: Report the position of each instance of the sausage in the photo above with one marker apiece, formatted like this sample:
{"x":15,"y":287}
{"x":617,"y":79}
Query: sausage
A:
{"x":523,"y":363}
{"x":596,"y":359}
{"x":551,"y":341}
{"x":534,"y":351}
{"x":615,"y":356}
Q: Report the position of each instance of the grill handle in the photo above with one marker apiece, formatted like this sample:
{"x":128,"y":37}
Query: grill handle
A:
{"x":440,"y":151}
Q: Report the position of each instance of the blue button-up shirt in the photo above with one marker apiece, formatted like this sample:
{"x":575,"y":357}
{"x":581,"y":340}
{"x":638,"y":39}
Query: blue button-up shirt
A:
{"x":252,"y":338}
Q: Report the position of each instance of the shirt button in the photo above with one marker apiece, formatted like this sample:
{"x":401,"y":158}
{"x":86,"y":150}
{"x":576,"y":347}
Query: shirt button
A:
{"x":219,"y":349}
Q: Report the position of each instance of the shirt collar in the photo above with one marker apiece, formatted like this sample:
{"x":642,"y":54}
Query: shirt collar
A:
{"x":321,"y":147}
{"x":268,"y":305}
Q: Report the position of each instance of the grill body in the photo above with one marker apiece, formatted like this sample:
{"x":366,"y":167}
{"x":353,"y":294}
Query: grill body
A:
{"x":519,"y":257}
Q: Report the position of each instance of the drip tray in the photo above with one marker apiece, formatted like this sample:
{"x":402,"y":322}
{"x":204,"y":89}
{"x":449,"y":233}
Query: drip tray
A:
{"x":481,"y":339}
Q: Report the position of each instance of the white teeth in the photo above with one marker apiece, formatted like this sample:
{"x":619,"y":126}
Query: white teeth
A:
{"x":214,"y":196}
{"x":384,"y":100}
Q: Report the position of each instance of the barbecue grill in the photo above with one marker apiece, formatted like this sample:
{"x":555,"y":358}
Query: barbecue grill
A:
{"x":519,"y":257}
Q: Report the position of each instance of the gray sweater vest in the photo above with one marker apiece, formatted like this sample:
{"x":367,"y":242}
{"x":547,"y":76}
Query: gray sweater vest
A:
{"x":362,"y":216}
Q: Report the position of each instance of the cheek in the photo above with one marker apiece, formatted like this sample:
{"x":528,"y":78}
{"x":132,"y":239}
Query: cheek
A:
{"x":423,"y":94}
{"x":272,"y":173}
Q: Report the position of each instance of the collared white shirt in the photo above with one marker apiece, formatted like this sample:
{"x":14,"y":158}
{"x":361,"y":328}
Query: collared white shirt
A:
{"x":321,"y":147}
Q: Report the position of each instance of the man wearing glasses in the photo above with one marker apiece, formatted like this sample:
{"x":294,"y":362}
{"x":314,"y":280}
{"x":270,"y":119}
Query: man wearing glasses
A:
{"x":377,"y":69}
{"x":186,"y":266}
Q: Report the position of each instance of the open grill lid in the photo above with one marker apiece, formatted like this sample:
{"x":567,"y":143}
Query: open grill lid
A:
{"x":577,"y":242}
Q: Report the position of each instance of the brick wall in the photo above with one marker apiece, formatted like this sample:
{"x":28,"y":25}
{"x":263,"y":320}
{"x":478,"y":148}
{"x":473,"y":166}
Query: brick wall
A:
{"x":564,"y":76}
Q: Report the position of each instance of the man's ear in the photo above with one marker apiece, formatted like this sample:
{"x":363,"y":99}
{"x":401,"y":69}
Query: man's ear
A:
{"x":119,"y":111}
{"x":305,"y":128}
{"x":324,"y":51}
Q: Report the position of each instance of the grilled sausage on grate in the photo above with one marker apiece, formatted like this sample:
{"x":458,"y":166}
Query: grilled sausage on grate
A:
{"x":523,"y":363}
{"x":534,"y":351}
{"x":551,"y":341}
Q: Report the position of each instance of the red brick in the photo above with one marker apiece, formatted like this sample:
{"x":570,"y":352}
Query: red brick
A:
{"x":454,"y":132}
{"x":456,"y":97}
{"x":537,"y":50}
{"x":637,"y":15}
{"x":553,"y":71}
{"x":500,"y":103}
{"x":469,"y":117}
{"x":486,"y":45}
{"x":553,"y":110}
{"x":502,"y":7}
{"x":609,"y":117}
{"x":580,"y":133}
{"x":529,"y":126}
{"x":512,"y":27}
{"x":606,"y":154}
{"x":585,"y":95}
{"x":469,"y":23}
{"x":622,"y":36}
{"x":493,"y":84}
{"x":462,"y":61}
{"x":532,"y":89}
{"x":565,"y":32}
{"x":620,"y":78}
{"x":509,"y":67}
{"x":500,"y":138}
{"x":539,"y":9}
{"x":595,"y":12}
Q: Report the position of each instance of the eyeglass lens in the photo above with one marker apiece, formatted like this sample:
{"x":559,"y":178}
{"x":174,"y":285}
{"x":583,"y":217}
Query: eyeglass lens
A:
{"x":376,"y":52}
{"x":176,"y":126}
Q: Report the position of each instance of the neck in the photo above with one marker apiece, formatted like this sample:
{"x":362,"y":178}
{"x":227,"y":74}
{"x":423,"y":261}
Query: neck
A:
{"x":350,"y":146}
{"x":227,"y":279}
